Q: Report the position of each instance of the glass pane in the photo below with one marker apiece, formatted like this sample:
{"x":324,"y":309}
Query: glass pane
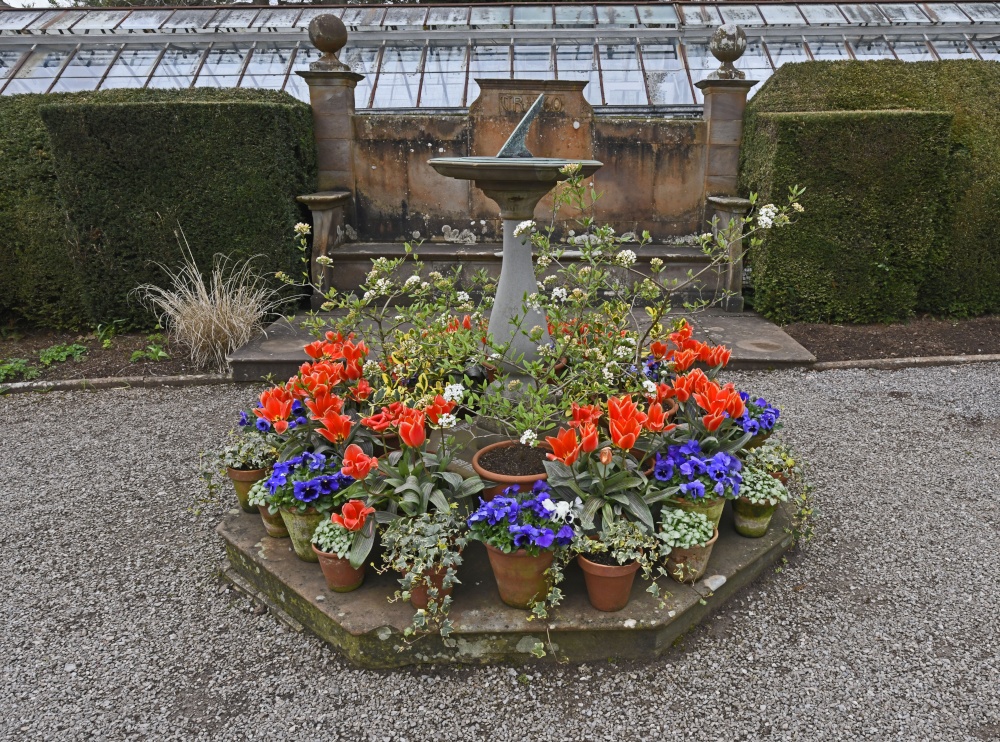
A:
{"x":863,"y":15}
{"x":447,"y":17}
{"x":89,"y":63}
{"x":36,"y":74}
{"x":578,"y":63}
{"x":534,"y":62}
{"x":361,"y":59}
{"x":827,"y":49}
{"x":700,"y":15}
{"x":399,"y":78}
{"x":947,"y":13}
{"x":233,"y":18}
{"x":146,"y":19}
{"x":781,"y":15}
{"x":133,"y":64}
{"x":222,"y":67}
{"x":9,"y":58}
{"x":532,"y":15}
{"x":623,"y":82}
{"x":95,"y":19}
{"x":871,"y":48}
{"x":280,"y":18}
{"x":701,"y":63}
{"x":488,"y":17}
{"x":981,"y":12}
{"x":989,"y":48}
{"x":658,"y":16}
{"x":912,"y":50}
{"x":786,"y":50}
{"x":66,"y":20}
{"x":15,"y":21}
{"x":665,"y":75}
{"x":177,"y":68}
{"x":617,"y":15}
{"x":822,"y":15}
{"x":403,"y":18}
{"x":44,"y":19}
{"x":487,"y":62}
{"x":575,"y":15}
{"x":754,"y":63}
{"x":444,"y":77}
{"x":904,"y":13}
{"x":743,"y":15}
{"x":362,"y":19}
{"x":189,"y":19}
{"x":309,"y":13}
{"x":954,"y":48}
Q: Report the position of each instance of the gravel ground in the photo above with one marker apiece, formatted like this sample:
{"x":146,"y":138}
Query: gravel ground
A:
{"x":886,"y":627}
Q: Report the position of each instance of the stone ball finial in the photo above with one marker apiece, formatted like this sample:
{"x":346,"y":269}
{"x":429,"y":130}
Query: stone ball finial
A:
{"x":727,"y":45}
{"x":328,"y":34}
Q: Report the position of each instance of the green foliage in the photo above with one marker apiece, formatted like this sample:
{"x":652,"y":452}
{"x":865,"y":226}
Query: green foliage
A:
{"x":153,"y":352}
{"x":61,"y":353}
{"x":224,"y":165}
{"x":13,"y":368}
{"x":901,"y":203}
{"x":105,"y":332}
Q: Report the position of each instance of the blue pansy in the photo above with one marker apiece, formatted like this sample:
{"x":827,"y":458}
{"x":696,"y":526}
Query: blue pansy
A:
{"x":306,"y":491}
{"x":263,"y":425}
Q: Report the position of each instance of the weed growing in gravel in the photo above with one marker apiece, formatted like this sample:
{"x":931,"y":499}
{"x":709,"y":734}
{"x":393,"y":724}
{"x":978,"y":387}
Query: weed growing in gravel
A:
{"x":17,"y":367}
{"x":61,"y":353}
{"x":215,"y":318}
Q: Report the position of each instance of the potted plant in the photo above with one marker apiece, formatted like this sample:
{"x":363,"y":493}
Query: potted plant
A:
{"x":247,"y":456}
{"x":342,"y":544}
{"x":426,"y":550}
{"x":273,"y":523}
{"x":759,"y":420}
{"x":509,"y":463}
{"x":610,"y":559}
{"x":523,"y":533}
{"x":760,"y":495}
{"x":687,"y":478}
{"x":774,"y":457}
{"x":686,"y":539}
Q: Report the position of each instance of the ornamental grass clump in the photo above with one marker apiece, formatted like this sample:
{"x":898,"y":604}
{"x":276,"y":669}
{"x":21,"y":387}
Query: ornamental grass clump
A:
{"x":214,"y":318}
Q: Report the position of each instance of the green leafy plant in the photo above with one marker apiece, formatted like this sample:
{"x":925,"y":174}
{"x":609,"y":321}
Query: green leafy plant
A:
{"x":760,"y":488}
{"x":106,"y":332}
{"x":772,"y":456}
{"x":682,"y":529}
{"x":153,"y":352}
{"x":13,"y":368}
{"x":348,"y":534}
{"x":249,"y":448}
{"x":60,"y":353}
{"x":623,"y":542}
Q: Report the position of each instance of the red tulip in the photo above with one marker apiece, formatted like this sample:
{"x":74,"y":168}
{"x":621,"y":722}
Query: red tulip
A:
{"x":356,"y":463}
{"x":361,"y":391}
{"x":565,"y":446}
{"x":585,"y":414}
{"x":335,"y":428}
{"x":713,"y":421}
{"x":353,"y":515}
{"x":411,"y":429}
{"x":659,"y":350}
{"x":588,"y":434}
{"x":625,"y":422}
{"x":324,"y":403}
{"x":439,"y":406}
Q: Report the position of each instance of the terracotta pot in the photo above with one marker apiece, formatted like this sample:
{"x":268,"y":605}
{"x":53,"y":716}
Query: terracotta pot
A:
{"x":711,"y":508}
{"x":757,"y":440}
{"x":687,"y":565}
{"x":608,"y":587}
{"x":418,"y":595}
{"x":273,"y":524}
{"x":503,"y":481}
{"x":301,"y":527}
{"x":340,"y":576}
{"x":243,"y":480}
{"x":520,"y":577}
{"x":752,"y":519}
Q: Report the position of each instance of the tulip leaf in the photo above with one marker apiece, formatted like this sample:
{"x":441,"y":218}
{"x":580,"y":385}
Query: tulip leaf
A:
{"x":440,"y":501}
{"x":362,"y":545}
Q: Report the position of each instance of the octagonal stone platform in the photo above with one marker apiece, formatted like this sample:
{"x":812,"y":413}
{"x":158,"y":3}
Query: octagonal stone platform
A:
{"x":368,"y":629}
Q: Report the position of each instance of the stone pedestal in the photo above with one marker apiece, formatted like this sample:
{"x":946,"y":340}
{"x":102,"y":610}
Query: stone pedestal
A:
{"x":327,"y":209}
{"x":726,"y":218}
{"x":725,"y":101}
{"x":331,"y":94}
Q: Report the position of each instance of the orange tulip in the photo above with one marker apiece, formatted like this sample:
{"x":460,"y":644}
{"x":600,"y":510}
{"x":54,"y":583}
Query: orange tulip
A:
{"x":606,"y":456}
{"x":335,"y":428}
{"x":356,"y":463}
{"x":411,"y":429}
{"x":565,"y":446}
{"x":588,"y":434}
{"x":353,"y":515}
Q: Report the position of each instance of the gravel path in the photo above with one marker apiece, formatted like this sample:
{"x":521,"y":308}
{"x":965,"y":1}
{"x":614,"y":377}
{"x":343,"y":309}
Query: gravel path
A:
{"x":115,"y":625}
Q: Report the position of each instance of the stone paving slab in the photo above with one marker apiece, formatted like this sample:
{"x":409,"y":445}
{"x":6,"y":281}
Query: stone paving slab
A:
{"x":757,"y":343}
{"x":368,"y":629}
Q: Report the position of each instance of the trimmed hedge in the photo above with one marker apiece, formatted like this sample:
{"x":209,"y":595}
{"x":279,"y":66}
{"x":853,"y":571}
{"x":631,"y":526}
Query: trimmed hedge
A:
{"x":858,"y":253}
{"x":226,"y":164}
{"x":957,"y":273}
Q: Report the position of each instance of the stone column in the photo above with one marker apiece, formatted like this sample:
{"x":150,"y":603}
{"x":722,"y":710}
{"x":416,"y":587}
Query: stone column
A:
{"x":725,"y":92}
{"x":727,"y":220}
{"x":327,"y":209}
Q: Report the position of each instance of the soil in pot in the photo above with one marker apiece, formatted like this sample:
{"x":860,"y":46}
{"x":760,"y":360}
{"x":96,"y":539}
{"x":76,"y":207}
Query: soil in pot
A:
{"x":508,"y":463}
{"x":687,"y":565}
{"x":752,"y":519}
{"x":273,"y":524}
{"x":243,"y":480}
{"x":520,"y":577}
{"x":418,"y":595}
{"x":340,"y":576}
{"x":609,"y":584}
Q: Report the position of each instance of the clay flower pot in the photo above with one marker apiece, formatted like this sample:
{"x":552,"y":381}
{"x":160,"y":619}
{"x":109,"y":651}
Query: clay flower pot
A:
{"x":503,"y":481}
{"x":752,"y":519}
{"x":301,"y":527}
{"x":520,"y":577}
{"x":757,"y":440}
{"x":608,"y":587}
{"x":687,"y":565}
{"x":243,"y":480}
{"x":418,"y":595}
{"x":710,"y":507}
{"x":340,"y":576}
{"x":273,"y":524}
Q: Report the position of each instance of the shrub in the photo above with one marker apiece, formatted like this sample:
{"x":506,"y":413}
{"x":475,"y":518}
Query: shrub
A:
{"x":957,"y":273}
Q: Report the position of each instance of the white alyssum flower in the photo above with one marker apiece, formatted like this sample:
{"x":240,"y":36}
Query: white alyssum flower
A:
{"x":559,"y":294}
{"x":454,"y":393}
{"x":324,"y":260}
{"x":656,"y":264}
{"x":302,"y":229}
{"x":524,"y":227}
{"x":529,"y":437}
{"x":447,"y":420}
{"x":462,"y":296}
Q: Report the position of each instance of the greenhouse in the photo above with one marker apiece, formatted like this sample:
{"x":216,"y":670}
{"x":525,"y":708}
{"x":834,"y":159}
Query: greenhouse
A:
{"x":429,"y":57}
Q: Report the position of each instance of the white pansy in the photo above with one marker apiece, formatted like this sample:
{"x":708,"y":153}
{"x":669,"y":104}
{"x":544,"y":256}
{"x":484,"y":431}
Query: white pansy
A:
{"x":649,"y":386}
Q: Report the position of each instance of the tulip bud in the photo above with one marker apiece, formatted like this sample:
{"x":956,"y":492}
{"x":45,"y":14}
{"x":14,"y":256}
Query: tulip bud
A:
{"x":605,"y":455}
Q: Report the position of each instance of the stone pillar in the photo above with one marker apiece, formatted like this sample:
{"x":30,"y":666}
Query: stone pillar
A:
{"x":329,"y":225}
{"x":725,"y":92}
{"x":727,"y":220}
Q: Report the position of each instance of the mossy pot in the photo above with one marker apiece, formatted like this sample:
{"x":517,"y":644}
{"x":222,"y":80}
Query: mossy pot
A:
{"x":688,"y":565}
{"x":752,"y":519}
{"x":301,"y":527}
{"x":710,"y":508}
{"x":243,"y":480}
{"x":273,"y":524}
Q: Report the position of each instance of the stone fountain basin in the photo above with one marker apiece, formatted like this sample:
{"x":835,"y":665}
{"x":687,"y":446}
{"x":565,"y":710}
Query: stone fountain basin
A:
{"x":524,"y":170}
